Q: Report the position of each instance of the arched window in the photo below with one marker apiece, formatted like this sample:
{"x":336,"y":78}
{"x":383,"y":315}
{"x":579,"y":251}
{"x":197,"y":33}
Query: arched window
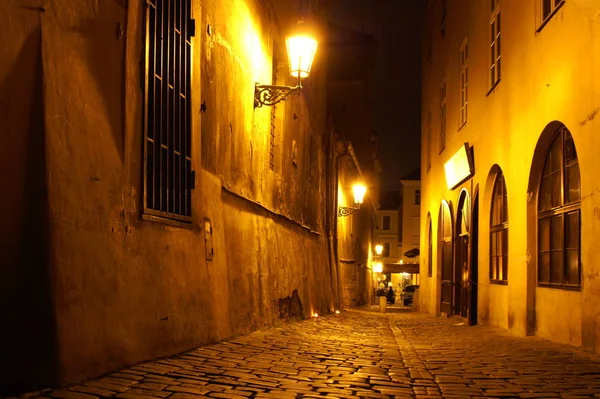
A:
{"x":559,"y":215}
{"x":499,"y":232}
{"x":429,"y":249}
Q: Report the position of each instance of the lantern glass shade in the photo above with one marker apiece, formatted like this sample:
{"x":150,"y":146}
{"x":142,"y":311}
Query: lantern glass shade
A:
{"x":359,"y":191}
{"x":378,"y":249}
{"x":301,"y":52}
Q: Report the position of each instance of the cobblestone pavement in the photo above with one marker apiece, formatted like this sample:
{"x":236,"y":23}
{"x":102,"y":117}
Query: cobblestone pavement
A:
{"x":362,"y":354}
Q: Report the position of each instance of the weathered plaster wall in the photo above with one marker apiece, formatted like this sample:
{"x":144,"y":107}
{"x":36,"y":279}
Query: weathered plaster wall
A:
{"x":25,"y":284}
{"x":355,"y":239}
{"x":504,"y":126}
{"x":109,"y":288}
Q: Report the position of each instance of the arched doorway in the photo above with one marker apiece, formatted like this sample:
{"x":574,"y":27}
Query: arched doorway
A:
{"x":445,"y":258}
{"x":462,"y":286}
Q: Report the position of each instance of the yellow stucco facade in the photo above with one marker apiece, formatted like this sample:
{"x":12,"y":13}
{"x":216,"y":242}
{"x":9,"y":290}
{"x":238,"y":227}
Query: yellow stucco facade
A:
{"x":548,"y":61}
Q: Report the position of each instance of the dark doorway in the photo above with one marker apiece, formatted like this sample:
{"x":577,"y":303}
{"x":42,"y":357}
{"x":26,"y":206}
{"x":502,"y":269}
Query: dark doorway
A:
{"x":445,"y":257}
{"x":474,"y":280}
{"x":461,"y":261}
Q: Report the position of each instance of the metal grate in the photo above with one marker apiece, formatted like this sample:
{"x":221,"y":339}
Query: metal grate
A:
{"x":168,"y":177}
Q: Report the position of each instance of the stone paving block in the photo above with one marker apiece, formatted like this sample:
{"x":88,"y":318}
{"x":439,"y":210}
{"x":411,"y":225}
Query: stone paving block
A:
{"x":179,"y":395}
{"x":118,"y":381}
{"x":107,"y":386}
{"x":225,"y":395}
{"x":66,"y":394}
{"x":129,"y":395}
{"x":92,"y":390}
{"x":127,"y":375}
{"x":149,"y":392}
{"x":192,"y":390}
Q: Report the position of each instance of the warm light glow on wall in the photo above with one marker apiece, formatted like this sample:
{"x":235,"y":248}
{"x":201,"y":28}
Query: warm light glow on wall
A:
{"x":378,"y":249}
{"x":459,"y":168}
{"x":301,"y":53}
{"x":377,"y":267}
{"x":358,"y":191}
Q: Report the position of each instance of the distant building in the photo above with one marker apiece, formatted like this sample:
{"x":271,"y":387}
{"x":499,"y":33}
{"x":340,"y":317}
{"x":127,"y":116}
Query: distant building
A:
{"x":398,"y":232}
{"x":510,"y":141}
{"x":410,"y":218}
{"x":388,"y":231}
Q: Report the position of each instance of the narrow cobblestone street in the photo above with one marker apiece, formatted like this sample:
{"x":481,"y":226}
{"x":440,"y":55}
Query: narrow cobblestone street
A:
{"x":359,"y":353}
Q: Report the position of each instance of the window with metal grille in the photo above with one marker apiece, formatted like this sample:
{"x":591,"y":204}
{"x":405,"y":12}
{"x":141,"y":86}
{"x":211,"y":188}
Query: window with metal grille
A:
{"x":559,"y":215}
{"x":168,"y":177}
{"x":495,"y":57}
{"x":464,"y":83}
{"x":499,"y":232}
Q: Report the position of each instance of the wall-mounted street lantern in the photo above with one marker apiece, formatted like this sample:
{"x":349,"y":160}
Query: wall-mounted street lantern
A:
{"x":358,"y":191}
{"x":378,"y":249}
{"x":301,"y":49}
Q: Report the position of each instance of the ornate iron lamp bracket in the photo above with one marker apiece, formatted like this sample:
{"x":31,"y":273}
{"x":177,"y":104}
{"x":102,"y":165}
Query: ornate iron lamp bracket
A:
{"x":346,"y":210}
{"x":270,"y":95}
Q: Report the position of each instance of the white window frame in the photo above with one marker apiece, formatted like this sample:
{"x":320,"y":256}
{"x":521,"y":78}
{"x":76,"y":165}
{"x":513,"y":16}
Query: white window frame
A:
{"x":495,"y":51}
{"x":554,"y":6}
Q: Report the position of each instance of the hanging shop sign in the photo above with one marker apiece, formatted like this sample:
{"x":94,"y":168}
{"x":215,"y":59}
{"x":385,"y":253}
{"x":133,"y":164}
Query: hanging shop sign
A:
{"x":459,"y":167}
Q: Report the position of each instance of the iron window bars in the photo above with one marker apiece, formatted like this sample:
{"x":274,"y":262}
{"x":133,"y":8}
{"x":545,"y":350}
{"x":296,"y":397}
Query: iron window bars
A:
{"x":168,"y":176}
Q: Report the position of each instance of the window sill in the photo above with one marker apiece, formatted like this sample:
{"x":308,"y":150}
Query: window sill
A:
{"x":549,"y":17}
{"x":499,"y":282}
{"x":461,"y":126}
{"x":493,"y":87}
{"x":163,"y":220}
{"x":560,"y":286}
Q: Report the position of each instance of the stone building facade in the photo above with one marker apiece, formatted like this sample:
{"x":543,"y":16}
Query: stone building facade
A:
{"x":149,"y":206}
{"x":509,"y":184}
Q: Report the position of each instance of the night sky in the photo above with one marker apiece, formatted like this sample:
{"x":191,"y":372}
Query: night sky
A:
{"x":396,"y":25}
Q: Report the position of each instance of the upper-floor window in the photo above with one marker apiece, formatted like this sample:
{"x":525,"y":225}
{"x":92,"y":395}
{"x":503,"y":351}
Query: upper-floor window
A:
{"x":442,"y":116}
{"x":559,"y":215}
{"x":168,"y":177}
{"x":495,"y":55}
{"x":386,"y":222}
{"x":548,"y":8}
{"x":444,"y":15}
{"x":428,"y":139}
{"x":464,"y":82}
{"x":499,"y":232}
{"x":417,"y":197}
{"x":386,"y":250}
